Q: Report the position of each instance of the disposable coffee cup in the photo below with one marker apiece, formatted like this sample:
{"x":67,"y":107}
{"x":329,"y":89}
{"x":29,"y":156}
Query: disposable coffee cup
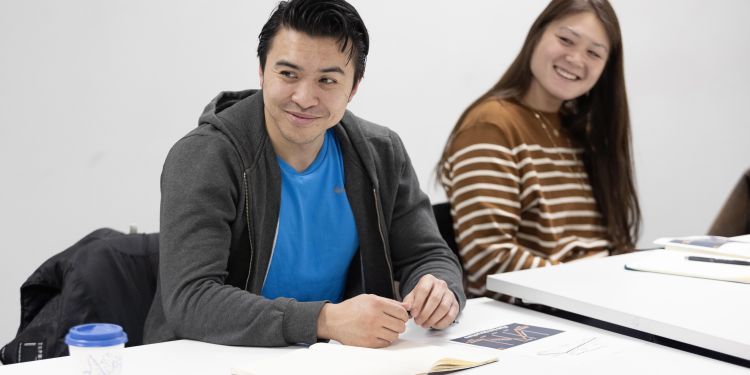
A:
{"x":97,"y":348}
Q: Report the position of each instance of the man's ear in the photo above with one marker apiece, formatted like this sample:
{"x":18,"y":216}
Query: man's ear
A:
{"x":354,"y":90}
{"x":260,"y":76}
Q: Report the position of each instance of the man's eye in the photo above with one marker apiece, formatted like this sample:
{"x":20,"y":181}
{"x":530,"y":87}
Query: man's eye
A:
{"x":327,"y":81}
{"x":288,"y":74}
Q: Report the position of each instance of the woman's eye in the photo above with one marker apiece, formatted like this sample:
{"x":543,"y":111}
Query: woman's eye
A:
{"x":595,"y":55}
{"x":564,"y":40}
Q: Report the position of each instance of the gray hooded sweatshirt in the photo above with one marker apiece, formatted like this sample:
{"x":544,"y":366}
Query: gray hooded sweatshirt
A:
{"x":221,"y":191}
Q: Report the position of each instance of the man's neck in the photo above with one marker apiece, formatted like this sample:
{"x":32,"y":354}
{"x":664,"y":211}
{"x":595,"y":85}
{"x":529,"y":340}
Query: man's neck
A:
{"x":298,"y":156}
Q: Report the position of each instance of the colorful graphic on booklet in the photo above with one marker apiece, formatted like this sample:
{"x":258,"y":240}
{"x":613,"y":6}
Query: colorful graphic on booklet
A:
{"x":507,"y":336}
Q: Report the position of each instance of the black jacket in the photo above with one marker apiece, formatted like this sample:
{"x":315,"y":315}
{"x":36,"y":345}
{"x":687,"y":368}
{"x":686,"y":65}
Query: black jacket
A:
{"x":106,"y":277}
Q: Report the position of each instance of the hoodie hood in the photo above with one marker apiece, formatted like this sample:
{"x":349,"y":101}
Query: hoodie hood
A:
{"x":237,"y":114}
{"x":221,"y":102}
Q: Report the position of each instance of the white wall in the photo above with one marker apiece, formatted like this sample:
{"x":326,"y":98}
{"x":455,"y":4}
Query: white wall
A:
{"x":93,"y":94}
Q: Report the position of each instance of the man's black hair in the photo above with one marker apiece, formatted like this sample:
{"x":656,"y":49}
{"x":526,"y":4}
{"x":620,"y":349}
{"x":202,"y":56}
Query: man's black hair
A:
{"x":320,"y":18}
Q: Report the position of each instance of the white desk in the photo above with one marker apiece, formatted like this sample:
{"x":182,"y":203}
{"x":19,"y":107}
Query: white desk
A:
{"x":710,"y":314}
{"x":613,"y":353}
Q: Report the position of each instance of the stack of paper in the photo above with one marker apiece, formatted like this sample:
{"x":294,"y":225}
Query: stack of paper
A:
{"x":712,"y":245}
{"x":677,"y":263}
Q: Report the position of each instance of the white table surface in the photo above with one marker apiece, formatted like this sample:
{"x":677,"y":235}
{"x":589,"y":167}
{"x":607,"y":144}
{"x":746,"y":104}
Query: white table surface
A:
{"x":709,"y":314}
{"x":612,"y":353}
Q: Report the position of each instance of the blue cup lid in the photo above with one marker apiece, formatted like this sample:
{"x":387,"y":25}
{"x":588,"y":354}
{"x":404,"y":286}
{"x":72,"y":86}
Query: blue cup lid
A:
{"x":96,"y":335}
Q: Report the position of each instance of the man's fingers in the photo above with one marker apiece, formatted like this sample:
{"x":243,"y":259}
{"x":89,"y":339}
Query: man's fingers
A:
{"x":442,"y":308}
{"x":449,"y":318}
{"x":387,"y":335}
{"x":393,"y":324}
{"x":408,"y":301}
{"x":431,"y":303}
{"x":394,"y":309}
{"x":439,"y":289}
{"x":421,"y":292}
{"x":378,"y":342}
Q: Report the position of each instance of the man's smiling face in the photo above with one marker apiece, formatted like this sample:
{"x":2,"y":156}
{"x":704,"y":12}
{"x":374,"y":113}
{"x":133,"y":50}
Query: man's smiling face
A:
{"x":307,"y":83}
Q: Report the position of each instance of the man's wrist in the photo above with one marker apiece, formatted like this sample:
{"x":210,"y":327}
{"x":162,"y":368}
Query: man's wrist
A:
{"x":323,"y":330}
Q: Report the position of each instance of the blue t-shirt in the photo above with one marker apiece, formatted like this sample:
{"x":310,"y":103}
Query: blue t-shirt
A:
{"x":316,"y":237}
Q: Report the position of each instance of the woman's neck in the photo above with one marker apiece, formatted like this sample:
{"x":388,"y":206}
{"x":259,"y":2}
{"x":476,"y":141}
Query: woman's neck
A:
{"x":536,"y":97}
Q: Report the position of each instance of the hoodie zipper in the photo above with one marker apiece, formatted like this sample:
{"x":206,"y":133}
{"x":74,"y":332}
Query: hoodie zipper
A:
{"x":249,"y":232}
{"x":385,"y":246}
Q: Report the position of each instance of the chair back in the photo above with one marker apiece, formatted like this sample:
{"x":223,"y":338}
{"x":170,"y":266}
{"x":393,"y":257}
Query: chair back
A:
{"x":444,"y":220}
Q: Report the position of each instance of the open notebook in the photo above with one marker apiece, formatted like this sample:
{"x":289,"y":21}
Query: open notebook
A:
{"x":333,"y":358}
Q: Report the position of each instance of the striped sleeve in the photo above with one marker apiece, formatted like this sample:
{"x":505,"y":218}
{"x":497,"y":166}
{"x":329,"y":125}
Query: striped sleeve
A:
{"x":483,"y":182}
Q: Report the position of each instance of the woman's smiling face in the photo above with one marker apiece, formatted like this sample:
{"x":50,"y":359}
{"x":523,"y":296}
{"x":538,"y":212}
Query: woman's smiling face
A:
{"x":567,"y":61}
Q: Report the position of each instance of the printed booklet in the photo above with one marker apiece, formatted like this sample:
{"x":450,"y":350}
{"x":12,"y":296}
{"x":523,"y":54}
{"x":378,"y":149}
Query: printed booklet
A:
{"x":507,"y":336}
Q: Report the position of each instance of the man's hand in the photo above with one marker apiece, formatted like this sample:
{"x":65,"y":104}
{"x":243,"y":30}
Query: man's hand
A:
{"x":431,"y":303}
{"x":365,"y":320}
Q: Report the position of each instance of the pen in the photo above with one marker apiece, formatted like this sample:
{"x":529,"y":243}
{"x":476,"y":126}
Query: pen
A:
{"x":719,"y":260}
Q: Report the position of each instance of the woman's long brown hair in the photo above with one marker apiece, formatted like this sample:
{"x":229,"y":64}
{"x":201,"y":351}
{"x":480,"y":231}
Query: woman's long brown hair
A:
{"x":599,"y":120}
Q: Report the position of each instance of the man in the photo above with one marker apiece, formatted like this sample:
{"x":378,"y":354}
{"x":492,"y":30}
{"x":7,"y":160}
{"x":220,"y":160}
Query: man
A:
{"x":286,"y":219}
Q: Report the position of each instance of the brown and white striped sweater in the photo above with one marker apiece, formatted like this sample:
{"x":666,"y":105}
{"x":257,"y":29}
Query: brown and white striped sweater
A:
{"x":520,"y":196}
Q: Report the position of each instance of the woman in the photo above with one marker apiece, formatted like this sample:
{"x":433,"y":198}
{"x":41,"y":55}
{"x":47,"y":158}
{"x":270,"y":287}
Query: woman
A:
{"x":538,"y":170}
